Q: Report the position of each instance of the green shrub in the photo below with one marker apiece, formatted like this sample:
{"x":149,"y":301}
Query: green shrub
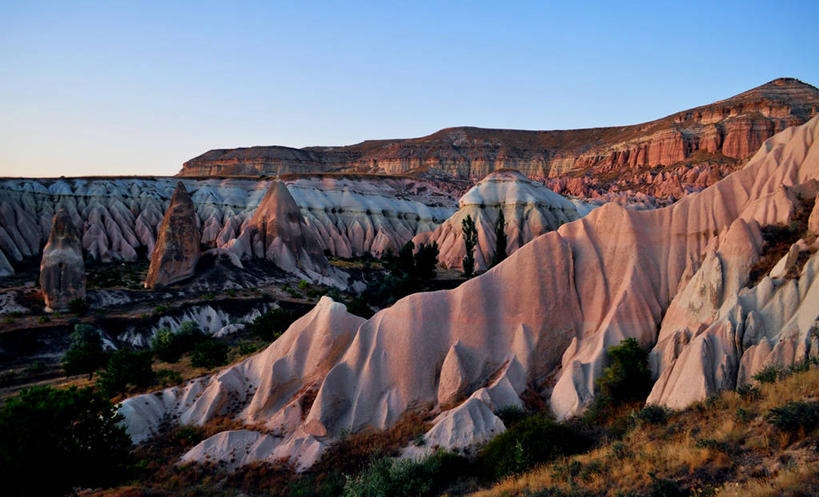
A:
{"x":160,"y":309}
{"x":359,"y":307}
{"x":386,"y":477}
{"x":303,"y":284}
{"x":768,"y":375}
{"x":749,"y":392}
{"x":795,"y":416}
{"x":44,"y":319}
{"x":126,"y":367}
{"x":626,"y":379}
{"x":169,"y":346}
{"x":78,"y":307}
{"x":168,"y":377}
{"x":209,"y":354}
{"x":85,"y":354}
{"x":511,"y":415}
{"x":54,"y":440}
{"x":246,"y":348}
{"x":532,"y":441}
{"x":653,"y":414}
{"x":272,"y":324}
{"x":230,"y":292}
{"x":37,"y":367}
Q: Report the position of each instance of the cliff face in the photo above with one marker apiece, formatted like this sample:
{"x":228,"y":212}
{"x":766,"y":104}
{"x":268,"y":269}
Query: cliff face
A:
{"x":727,"y":132}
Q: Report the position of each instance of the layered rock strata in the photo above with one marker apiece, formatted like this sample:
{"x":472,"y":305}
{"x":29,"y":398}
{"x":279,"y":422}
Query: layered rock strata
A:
{"x":724,"y":132}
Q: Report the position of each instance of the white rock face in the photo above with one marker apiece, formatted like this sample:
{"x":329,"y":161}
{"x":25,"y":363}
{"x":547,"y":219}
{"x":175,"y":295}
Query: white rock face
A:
{"x":529,"y":208}
{"x":674,"y":278}
{"x":118,"y":217}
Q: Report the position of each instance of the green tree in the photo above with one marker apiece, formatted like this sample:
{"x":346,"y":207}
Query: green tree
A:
{"x":85,"y":354}
{"x":209,"y":354}
{"x":470,"y":240}
{"x":272,"y":324}
{"x":426,"y":258}
{"x":500,"y":239}
{"x":53,"y":440}
{"x":169,"y":346}
{"x":126,"y":367}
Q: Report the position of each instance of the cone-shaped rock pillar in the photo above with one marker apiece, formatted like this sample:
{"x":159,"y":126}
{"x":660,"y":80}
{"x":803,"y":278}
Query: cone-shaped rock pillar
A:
{"x":278,"y":233}
{"x":62,"y":269}
{"x":177,"y":246}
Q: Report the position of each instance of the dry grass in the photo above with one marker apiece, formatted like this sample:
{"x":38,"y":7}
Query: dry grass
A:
{"x":722,"y":446}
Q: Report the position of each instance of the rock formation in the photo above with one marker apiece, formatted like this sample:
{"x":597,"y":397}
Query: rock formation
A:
{"x":177,"y":246}
{"x":119,"y":218}
{"x":723,"y":133}
{"x":277,"y":232}
{"x":62,"y":269}
{"x":677,"y":279}
{"x":530,"y":209}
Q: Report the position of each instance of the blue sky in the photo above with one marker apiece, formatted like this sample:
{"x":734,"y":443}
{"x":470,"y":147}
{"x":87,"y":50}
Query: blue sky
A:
{"x":139,"y":87}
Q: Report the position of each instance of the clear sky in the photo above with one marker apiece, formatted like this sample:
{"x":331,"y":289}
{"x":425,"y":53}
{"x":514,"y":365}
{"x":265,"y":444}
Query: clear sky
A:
{"x":138,"y":87}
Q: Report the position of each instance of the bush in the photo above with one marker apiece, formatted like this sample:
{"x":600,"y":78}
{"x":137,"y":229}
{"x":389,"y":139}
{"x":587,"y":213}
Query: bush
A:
{"x":126,"y":367}
{"x":209,"y":354}
{"x":272,"y":324}
{"x":404,"y":477}
{"x":169,"y":346}
{"x":168,"y":377}
{"x":359,"y":307}
{"x":78,"y":307}
{"x":511,"y":415}
{"x":627,"y":379}
{"x":532,"y":441}
{"x":749,"y":392}
{"x":653,"y":414}
{"x":54,"y":440}
{"x":85,"y":354}
{"x":795,"y":416}
{"x":768,"y":375}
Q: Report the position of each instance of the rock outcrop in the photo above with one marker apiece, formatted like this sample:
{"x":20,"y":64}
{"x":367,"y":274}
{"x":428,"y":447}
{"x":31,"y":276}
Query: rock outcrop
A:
{"x":277,"y":232}
{"x":674,"y":278}
{"x":716,"y":136}
{"x":62,"y":269}
{"x":177,"y":246}
{"x":120,"y":218}
{"x":529,"y":208}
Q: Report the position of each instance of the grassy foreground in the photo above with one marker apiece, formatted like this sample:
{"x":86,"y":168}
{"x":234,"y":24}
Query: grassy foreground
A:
{"x":758,"y":442}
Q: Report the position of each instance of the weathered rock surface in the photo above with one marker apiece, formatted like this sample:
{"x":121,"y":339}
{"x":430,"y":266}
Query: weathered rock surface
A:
{"x":277,"y":232}
{"x":62,"y":269}
{"x":120,"y":218}
{"x":705,"y":142}
{"x":530,"y":209}
{"x":674,"y":278}
{"x":177,"y":247}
